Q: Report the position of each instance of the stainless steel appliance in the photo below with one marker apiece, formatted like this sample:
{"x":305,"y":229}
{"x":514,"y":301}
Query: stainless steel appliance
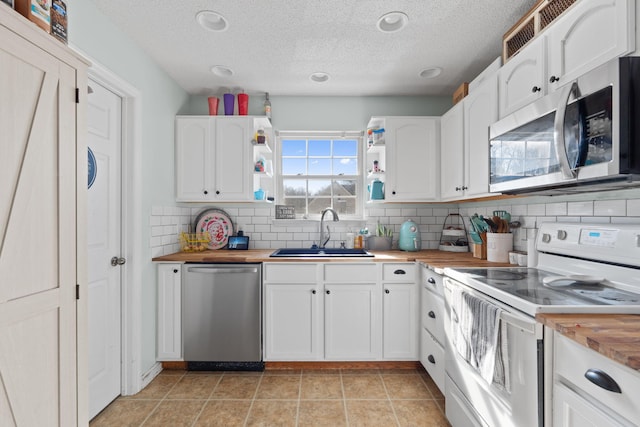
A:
{"x":222,"y":317}
{"x":582,"y":135}
{"x":587,"y":268}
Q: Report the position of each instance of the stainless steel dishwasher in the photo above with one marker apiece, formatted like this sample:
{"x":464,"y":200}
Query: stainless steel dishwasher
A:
{"x":222,"y":316}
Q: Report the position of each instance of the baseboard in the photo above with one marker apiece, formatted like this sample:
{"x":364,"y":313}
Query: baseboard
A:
{"x":386,"y":365}
{"x":148,"y":376}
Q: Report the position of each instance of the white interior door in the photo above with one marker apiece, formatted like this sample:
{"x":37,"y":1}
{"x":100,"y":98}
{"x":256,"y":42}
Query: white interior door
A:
{"x":104,"y":120}
{"x":38,"y":278}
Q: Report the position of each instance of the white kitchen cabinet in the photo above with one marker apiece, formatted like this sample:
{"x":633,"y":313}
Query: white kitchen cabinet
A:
{"x":452,"y":153}
{"x":465,"y":143}
{"x":400,"y":315}
{"x":432,"y":334}
{"x":215,"y":158}
{"x":352,"y":321}
{"x":579,"y":402}
{"x":411,"y":157}
{"x":293,"y":321}
{"x":169,"y":330}
{"x":590,"y":34}
{"x":523,"y":78}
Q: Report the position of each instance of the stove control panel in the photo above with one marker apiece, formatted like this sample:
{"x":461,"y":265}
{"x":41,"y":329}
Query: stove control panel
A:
{"x":617,"y":243}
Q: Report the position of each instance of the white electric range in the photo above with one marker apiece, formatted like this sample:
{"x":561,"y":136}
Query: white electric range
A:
{"x":582,"y":268}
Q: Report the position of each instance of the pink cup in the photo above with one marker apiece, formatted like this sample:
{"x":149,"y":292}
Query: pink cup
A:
{"x":213,"y":106}
{"x":243,"y":104}
{"x":229,"y":103}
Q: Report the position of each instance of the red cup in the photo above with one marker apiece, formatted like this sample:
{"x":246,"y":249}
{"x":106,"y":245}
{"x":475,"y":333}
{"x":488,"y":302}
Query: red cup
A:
{"x":243,"y":104}
{"x":213,"y":106}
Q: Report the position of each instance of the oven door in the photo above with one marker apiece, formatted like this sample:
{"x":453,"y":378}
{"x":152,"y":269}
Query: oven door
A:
{"x":491,"y":405}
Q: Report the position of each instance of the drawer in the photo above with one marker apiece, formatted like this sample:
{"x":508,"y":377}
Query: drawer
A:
{"x":405,"y":272}
{"x":572,"y":361}
{"x":432,"y":358}
{"x":432,"y":281}
{"x":350,"y":273}
{"x":290,"y":272}
{"x":433,"y":314}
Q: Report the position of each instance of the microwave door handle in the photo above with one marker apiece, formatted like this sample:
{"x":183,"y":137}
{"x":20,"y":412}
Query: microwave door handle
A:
{"x":559,"y":141}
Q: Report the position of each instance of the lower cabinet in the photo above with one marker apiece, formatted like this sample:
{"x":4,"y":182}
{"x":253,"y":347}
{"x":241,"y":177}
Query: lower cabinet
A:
{"x":325,"y":311}
{"x":432,"y":333}
{"x":169,"y":339}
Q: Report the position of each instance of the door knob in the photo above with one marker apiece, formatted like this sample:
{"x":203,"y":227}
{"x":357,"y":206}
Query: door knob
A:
{"x":117,"y":261}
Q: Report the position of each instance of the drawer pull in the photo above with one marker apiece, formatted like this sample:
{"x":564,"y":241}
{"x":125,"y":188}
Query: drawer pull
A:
{"x":603,"y":380}
{"x":432,"y":314}
{"x":431,"y":280}
{"x":431,"y":359}
{"x":399,"y":271}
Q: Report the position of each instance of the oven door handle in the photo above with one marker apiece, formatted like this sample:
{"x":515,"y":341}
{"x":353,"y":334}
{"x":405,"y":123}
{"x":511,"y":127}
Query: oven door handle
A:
{"x":559,"y":141}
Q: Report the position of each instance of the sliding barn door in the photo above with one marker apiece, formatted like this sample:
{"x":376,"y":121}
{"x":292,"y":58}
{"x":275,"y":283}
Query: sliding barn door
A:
{"x":38,"y":378}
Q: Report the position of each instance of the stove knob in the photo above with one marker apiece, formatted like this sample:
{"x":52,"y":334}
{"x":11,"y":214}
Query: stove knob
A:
{"x":562,"y":234}
{"x":546,"y":238}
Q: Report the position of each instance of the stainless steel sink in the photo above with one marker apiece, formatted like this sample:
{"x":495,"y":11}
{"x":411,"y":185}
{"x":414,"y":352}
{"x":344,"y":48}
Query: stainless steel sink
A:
{"x":320,"y":253}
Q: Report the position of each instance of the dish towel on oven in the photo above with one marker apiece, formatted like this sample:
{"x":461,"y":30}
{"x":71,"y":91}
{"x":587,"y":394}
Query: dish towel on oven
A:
{"x":478,"y":336}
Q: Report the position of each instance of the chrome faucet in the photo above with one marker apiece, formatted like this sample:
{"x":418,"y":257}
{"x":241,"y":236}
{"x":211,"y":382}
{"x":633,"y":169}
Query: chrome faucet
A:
{"x":323,"y":241}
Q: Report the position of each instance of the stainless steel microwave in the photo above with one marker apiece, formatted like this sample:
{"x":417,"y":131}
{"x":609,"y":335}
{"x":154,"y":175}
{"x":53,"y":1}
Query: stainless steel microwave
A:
{"x":584,"y":136}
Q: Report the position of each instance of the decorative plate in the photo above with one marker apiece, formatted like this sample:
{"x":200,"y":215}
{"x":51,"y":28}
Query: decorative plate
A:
{"x":217,"y":223}
{"x":92,"y":169}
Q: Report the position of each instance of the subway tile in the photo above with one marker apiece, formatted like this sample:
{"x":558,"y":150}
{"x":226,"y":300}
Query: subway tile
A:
{"x":259,"y":220}
{"x":518,"y":210}
{"x":411,"y":212}
{"x":633,"y":207}
{"x":393,"y":212}
{"x":580,"y":208}
{"x":157,"y":210}
{"x":556,"y":208}
{"x":169,"y":229}
{"x":261,"y":227}
{"x":536,"y":209}
{"x":157,"y":231}
{"x":597,"y":219}
{"x":300,"y":236}
{"x":263,"y":212}
{"x":610,"y":208}
{"x":246,"y":212}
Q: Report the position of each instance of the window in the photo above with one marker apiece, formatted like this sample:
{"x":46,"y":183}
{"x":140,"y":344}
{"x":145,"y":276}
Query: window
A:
{"x":320,"y":170}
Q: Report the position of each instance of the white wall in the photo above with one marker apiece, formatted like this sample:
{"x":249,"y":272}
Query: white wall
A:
{"x":162,"y":99}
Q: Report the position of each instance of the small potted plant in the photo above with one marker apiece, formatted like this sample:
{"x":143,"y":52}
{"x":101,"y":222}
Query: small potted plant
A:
{"x":382,"y":240}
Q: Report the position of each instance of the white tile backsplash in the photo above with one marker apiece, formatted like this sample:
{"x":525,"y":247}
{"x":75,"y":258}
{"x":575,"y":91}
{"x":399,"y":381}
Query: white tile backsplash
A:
{"x":267,"y":233}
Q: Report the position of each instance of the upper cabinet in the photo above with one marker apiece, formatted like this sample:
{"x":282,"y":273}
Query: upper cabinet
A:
{"x":586,"y":36}
{"x":408,"y":153}
{"x":216,"y":157}
{"x":465,"y":143}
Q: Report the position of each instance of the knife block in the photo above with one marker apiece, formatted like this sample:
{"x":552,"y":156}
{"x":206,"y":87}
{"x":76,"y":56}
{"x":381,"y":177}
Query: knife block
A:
{"x":479,"y":251}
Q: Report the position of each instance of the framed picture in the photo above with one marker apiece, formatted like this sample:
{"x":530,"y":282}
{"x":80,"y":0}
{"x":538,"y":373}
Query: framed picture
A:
{"x":9,"y":2}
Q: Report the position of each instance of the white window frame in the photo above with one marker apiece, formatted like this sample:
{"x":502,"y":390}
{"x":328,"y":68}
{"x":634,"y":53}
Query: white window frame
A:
{"x":359,"y":178}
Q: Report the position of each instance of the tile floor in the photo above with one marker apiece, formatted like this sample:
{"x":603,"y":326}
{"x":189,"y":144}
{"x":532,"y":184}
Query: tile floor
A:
{"x":333,"y":398}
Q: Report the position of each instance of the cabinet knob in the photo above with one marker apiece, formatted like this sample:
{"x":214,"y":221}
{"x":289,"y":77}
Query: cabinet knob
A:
{"x":432,"y":314}
{"x":431,"y":280}
{"x":603,"y":380}
{"x":458,"y":188}
{"x":431,"y":359}
{"x":535,"y":89}
{"x":393,"y":192}
{"x":464,"y":187}
{"x":313,"y":292}
{"x":206,"y":192}
{"x":328,"y":292}
{"x":386,"y":291}
{"x":175,"y":270}
{"x":217,"y":192}
{"x":554,"y":79}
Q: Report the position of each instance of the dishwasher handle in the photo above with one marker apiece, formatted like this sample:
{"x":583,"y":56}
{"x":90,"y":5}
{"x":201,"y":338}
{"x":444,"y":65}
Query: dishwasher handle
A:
{"x":222,"y":270}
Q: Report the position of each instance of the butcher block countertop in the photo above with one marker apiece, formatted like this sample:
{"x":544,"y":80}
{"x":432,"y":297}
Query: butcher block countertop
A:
{"x":616,"y":336}
{"x":434,"y":258}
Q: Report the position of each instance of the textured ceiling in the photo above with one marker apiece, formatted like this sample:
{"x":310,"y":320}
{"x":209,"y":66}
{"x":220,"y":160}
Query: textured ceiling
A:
{"x":275,"y":45}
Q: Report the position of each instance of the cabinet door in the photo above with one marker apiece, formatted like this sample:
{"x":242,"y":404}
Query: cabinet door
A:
{"x":400,"y":321}
{"x":571,"y":410}
{"x":480,"y":112}
{"x":194,"y":140}
{"x":169,"y":312}
{"x":413,"y":171}
{"x":352,"y":322}
{"x":590,"y":34}
{"x":233,"y":158}
{"x":452,"y":152}
{"x":293,"y":327}
{"x":523,"y":78}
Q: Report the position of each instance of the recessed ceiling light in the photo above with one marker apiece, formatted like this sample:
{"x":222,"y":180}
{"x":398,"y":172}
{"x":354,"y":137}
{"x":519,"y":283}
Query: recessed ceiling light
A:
{"x":221,"y":71}
{"x":212,"y":21}
{"x":319,"y":77}
{"x":392,"y":22}
{"x":430,"y":73}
